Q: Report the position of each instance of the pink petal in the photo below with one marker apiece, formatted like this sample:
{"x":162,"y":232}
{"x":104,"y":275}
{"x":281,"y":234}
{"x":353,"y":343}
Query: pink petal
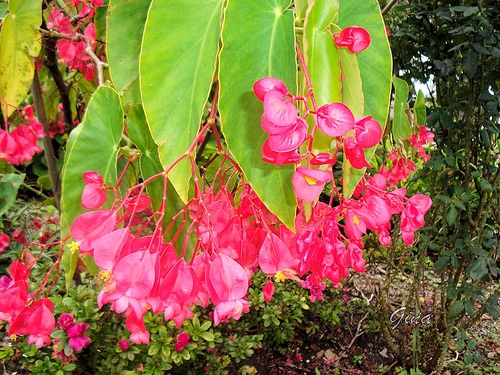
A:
{"x":291,"y":139}
{"x":278,"y":109}
{"x":274,"y":255}
{"x":368,"y":132}
{"x":309,"y":183}
{"x":335,"y":119}
{"x":264,"y":85}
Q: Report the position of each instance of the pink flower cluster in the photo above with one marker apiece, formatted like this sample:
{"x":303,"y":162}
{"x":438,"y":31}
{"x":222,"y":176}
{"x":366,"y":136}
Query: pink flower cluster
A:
{"x":75,"y":331}
{"x":25,"y":318}
{"x":288,"y":132}
{"x":236,"y":236}
{"x":20,"y":144}
{"x":73,"y":49}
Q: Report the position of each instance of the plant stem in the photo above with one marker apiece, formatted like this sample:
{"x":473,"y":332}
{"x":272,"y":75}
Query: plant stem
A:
{"x":48,"y":149}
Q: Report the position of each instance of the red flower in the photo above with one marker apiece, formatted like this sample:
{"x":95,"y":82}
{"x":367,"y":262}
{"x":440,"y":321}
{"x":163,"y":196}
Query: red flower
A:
{"x":36,"y":321}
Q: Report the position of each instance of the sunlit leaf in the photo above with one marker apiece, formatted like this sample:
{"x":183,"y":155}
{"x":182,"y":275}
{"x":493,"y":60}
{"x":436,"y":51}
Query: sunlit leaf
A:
{"x":19,"y":45}
{"x":177,"y":65}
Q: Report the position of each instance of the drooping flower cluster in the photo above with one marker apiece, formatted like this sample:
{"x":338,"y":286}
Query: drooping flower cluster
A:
{"x":21,"y":143}
{"x":73,"y":50}
{"x":288,"y":132}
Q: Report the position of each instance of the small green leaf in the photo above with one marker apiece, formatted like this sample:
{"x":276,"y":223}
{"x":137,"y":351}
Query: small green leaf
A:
{"x":401,"y":127}
{"x":455,"y":309}
{"x":441,"y":263}
{"x":419,"y":109}
{"x":9,"y":185}
{"x":479,"y":269}
{"x":451,"y":216}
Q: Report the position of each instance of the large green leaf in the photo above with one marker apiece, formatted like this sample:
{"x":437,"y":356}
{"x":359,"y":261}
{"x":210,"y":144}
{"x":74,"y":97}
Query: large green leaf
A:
{"x":375,"y":63}
{"x":125,"y":26}
{"x":401,"y":127}
{"x":19,"y":43}
{"x":322,"y":59}
{"x":177,"y":65}
{"x":92,"y":146}
{"x":258,"y":41}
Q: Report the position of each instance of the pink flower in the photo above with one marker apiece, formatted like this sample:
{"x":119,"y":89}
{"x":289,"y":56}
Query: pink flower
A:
{"x":4,"y":241}
{"x":124,"y":345}
{"x":182,"y":341}
{"x":94,"y":193}
{"x":227,"y":284}
{"x":355,"y":38}
{"x":91,"y":226}
{"x":335,"y":119}
{"x":368,"y":132}
{"x":412,"y":218}
{"x":264,"y":85}
{"x":66,"y":321}
{"x":279,"y":109}
{"x":355,"y":154}
{"x":274,"y":255}
{"x":268,"y":291}
{"x":309,"y":183}
{"x":77,"y":339}
{"x":279,"y":158}
{"x":291,"y":139}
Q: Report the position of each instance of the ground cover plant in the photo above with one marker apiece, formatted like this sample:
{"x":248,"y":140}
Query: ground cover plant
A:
{"x":213,"y":175}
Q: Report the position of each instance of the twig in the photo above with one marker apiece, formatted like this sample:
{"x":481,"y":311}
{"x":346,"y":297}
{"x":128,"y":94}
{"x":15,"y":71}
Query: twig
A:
{"x":100,"y":65}
{"x":359,"y":332}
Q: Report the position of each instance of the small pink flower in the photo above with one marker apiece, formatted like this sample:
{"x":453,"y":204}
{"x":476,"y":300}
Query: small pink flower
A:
{"x":268,"y":291}
{"x":368,"y":131}
{"x":355,"y":38}
{"x":124,"y":345}
{"x":77,"y":339}
{"x":4,"y":241}
{"x":309,"y":183}
{"x":279,"y":109}
{"x":355,"y":154}
{"x":94,"y":193}
{"x":335,"y":119}
{"x":264,"y":85}
{"x":66,"y":321}
{"x":182,"y":341}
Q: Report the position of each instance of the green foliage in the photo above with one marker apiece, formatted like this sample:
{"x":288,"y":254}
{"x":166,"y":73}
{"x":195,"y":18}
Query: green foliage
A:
{"x":454,"y":50}
{"x":9,"y":185}
{"x":19,"y":44}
